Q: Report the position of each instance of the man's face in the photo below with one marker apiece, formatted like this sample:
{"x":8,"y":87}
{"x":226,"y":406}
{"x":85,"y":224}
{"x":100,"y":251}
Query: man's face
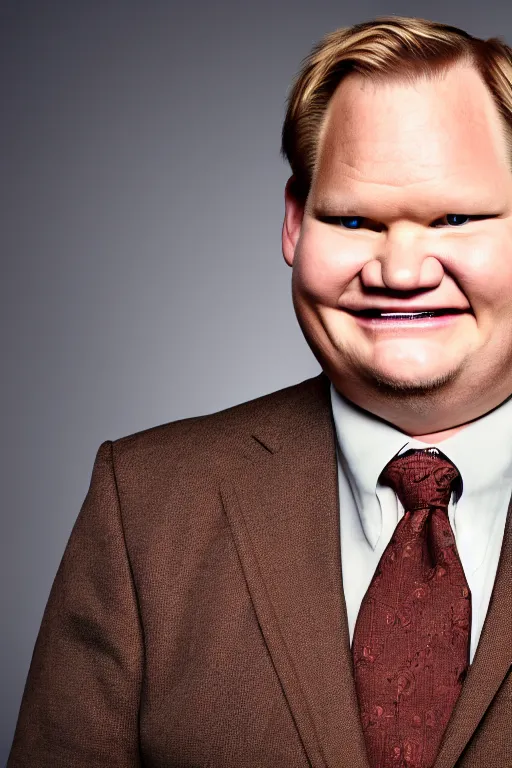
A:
{"x":410,"y":209}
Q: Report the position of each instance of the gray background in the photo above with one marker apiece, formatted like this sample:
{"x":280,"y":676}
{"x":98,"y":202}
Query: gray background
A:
{"x":141,"y":195}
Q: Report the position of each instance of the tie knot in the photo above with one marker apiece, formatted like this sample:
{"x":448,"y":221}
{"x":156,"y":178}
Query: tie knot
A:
{"x":421,"y":478}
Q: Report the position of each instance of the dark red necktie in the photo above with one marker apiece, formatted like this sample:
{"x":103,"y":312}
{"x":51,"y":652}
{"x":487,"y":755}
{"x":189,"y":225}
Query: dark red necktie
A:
{"x":412,"y":634}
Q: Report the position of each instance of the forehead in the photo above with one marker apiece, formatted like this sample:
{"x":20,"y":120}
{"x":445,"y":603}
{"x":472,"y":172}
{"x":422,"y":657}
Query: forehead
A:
{"x":400,"y":135}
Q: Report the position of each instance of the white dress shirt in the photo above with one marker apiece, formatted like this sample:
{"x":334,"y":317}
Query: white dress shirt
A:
{"x":370,"y":511}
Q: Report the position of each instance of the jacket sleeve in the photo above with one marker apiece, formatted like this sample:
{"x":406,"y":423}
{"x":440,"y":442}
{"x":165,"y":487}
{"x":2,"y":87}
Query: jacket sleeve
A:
{"x":80,"y":705}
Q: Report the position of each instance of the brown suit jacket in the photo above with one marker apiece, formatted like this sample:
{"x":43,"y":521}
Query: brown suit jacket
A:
{"x":197,"y":617}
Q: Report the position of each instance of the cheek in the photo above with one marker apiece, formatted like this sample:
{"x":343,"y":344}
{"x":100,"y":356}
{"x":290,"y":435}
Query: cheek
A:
{"x":484,"y":270}
{"x":325,"y":263}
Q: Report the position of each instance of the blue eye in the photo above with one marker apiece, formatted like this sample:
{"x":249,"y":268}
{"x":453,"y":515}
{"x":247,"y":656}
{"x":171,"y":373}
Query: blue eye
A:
{"x":351,"y":222}
{"x":455,"y":219}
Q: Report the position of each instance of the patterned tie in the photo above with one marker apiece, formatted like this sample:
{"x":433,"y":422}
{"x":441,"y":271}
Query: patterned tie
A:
{"x":411,"y":639}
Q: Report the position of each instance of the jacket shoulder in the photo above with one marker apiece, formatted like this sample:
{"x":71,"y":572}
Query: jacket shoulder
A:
{"x":210,"y":432}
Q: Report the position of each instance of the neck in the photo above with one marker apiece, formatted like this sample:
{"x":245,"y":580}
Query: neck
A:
{"x":438,"y":437}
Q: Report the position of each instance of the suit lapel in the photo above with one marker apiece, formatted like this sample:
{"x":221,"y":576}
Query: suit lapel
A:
{"x":282,"y":505}
{"x":491,"y":663}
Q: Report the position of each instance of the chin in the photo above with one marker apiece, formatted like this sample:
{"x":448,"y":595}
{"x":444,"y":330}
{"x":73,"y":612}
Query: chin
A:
{"x":422,"y":384}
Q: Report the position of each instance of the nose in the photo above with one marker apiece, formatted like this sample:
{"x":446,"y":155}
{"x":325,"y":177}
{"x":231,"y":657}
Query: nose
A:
{"x":405,"y":261}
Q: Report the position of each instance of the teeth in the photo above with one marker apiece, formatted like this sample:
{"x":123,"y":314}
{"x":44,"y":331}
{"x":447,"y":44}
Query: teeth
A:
{"x":408,"y":314}
{"x":425,"y":313}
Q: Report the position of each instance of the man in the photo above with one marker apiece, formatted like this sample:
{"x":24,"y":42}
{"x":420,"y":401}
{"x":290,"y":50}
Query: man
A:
{"x":322,"y":576}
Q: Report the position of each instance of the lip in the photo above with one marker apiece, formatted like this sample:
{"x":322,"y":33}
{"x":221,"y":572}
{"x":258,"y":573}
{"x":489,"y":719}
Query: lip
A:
{"x":358,"y":311}
{"x":402,"y":323}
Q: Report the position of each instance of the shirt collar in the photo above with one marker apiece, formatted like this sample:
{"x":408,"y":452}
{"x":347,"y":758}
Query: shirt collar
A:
{"x":481,"y":451}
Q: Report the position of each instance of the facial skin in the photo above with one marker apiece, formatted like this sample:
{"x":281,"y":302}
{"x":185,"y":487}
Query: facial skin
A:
{"x":407,"y":164}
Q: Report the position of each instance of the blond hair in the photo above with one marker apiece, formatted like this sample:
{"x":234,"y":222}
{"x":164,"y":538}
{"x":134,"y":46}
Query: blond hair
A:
{"x":392,"y":47}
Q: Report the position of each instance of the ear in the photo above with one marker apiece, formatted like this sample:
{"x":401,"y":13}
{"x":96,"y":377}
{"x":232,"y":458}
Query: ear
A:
{"x":293,"y":216}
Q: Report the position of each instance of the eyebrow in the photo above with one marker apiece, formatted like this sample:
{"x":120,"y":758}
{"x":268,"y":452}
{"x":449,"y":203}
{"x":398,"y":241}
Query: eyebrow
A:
{"x":329,"y":207}
{"x":337,"y":207}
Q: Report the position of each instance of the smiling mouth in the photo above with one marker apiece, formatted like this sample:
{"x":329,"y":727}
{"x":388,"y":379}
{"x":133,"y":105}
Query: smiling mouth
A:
{"x":378,"y":314}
